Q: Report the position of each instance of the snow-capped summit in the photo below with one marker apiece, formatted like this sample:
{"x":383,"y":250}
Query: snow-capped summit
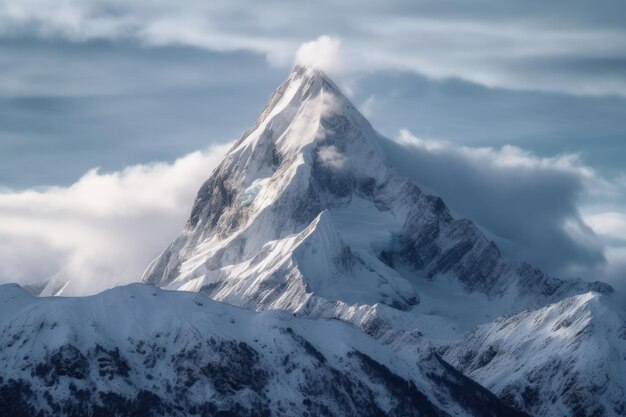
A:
{"x":262,"y":232}
{"x":305,"y":214}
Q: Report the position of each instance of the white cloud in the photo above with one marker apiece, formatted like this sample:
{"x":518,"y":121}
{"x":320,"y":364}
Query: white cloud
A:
{"x":105,"y":228}
{"x":330,"y":157}
{"x":536,"y":208}
{"x":508,"y":157}
{"x":611,"y":225}
{"x":535,"y":47}
{"x":527,"y":203}
{"x":324,"y":53}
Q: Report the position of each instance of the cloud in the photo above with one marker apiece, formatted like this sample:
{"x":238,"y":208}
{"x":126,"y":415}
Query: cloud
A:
{"x":330,"y":157}
{"x":611,"y":225}
{"x":323,"y":53}
{"x":105,"y":228}
{"x":528,"y":204}
{"x":615,"y":273}
{"x":577,"y":49}
{"x":554,"y":212}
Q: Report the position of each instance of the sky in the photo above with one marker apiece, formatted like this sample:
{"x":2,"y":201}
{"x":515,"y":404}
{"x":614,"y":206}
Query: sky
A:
{"x":113,"y":113}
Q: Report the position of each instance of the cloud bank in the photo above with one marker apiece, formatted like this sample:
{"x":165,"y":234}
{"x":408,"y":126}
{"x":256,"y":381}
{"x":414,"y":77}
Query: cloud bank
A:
{"x":102,"y":230}
{"x":528,"y":204}
{"x":574,"y":47}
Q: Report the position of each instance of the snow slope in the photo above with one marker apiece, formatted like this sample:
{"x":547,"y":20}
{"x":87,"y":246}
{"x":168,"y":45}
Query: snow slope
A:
{"x":568,"y":358}
{"x":141,"y":351}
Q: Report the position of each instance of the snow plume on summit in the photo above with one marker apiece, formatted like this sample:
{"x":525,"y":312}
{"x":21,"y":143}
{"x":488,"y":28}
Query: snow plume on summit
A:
{"x":323,"y":53}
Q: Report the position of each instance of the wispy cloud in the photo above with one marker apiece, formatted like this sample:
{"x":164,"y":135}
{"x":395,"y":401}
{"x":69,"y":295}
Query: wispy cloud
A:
{"x":611,"y":225}
{"x":497,"y":44}
{"x":323,"y":53}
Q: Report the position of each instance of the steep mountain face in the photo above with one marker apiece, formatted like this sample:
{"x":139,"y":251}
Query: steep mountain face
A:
{"x":567,"y":359}
{"x":305,"y":215}
{"x":141,"y":351}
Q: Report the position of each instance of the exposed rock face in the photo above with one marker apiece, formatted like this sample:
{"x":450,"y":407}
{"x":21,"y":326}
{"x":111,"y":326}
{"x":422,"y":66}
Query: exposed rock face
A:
{"x":141,"y":351}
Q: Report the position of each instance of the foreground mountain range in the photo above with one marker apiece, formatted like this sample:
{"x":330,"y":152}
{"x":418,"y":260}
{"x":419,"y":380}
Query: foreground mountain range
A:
{"x":141,"y":351}
{"x":384,"y":286}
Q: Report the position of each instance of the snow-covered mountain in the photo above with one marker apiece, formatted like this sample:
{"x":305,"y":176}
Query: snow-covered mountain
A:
{"x":140,"y":351}
{"x":566,"y":359}
{"x":306,"y":215}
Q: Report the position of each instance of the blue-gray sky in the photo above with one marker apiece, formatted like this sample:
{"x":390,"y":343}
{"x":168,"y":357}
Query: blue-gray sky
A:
{"x":114,"y":84}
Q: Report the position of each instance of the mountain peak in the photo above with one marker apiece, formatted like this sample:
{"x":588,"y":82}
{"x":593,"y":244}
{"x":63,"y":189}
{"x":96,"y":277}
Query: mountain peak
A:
{"x":300,"y":70}
{"x":307,"y":116}
{"x":303,"y":83}
{"x":311,"y":74}
{"x":382,"y":239}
